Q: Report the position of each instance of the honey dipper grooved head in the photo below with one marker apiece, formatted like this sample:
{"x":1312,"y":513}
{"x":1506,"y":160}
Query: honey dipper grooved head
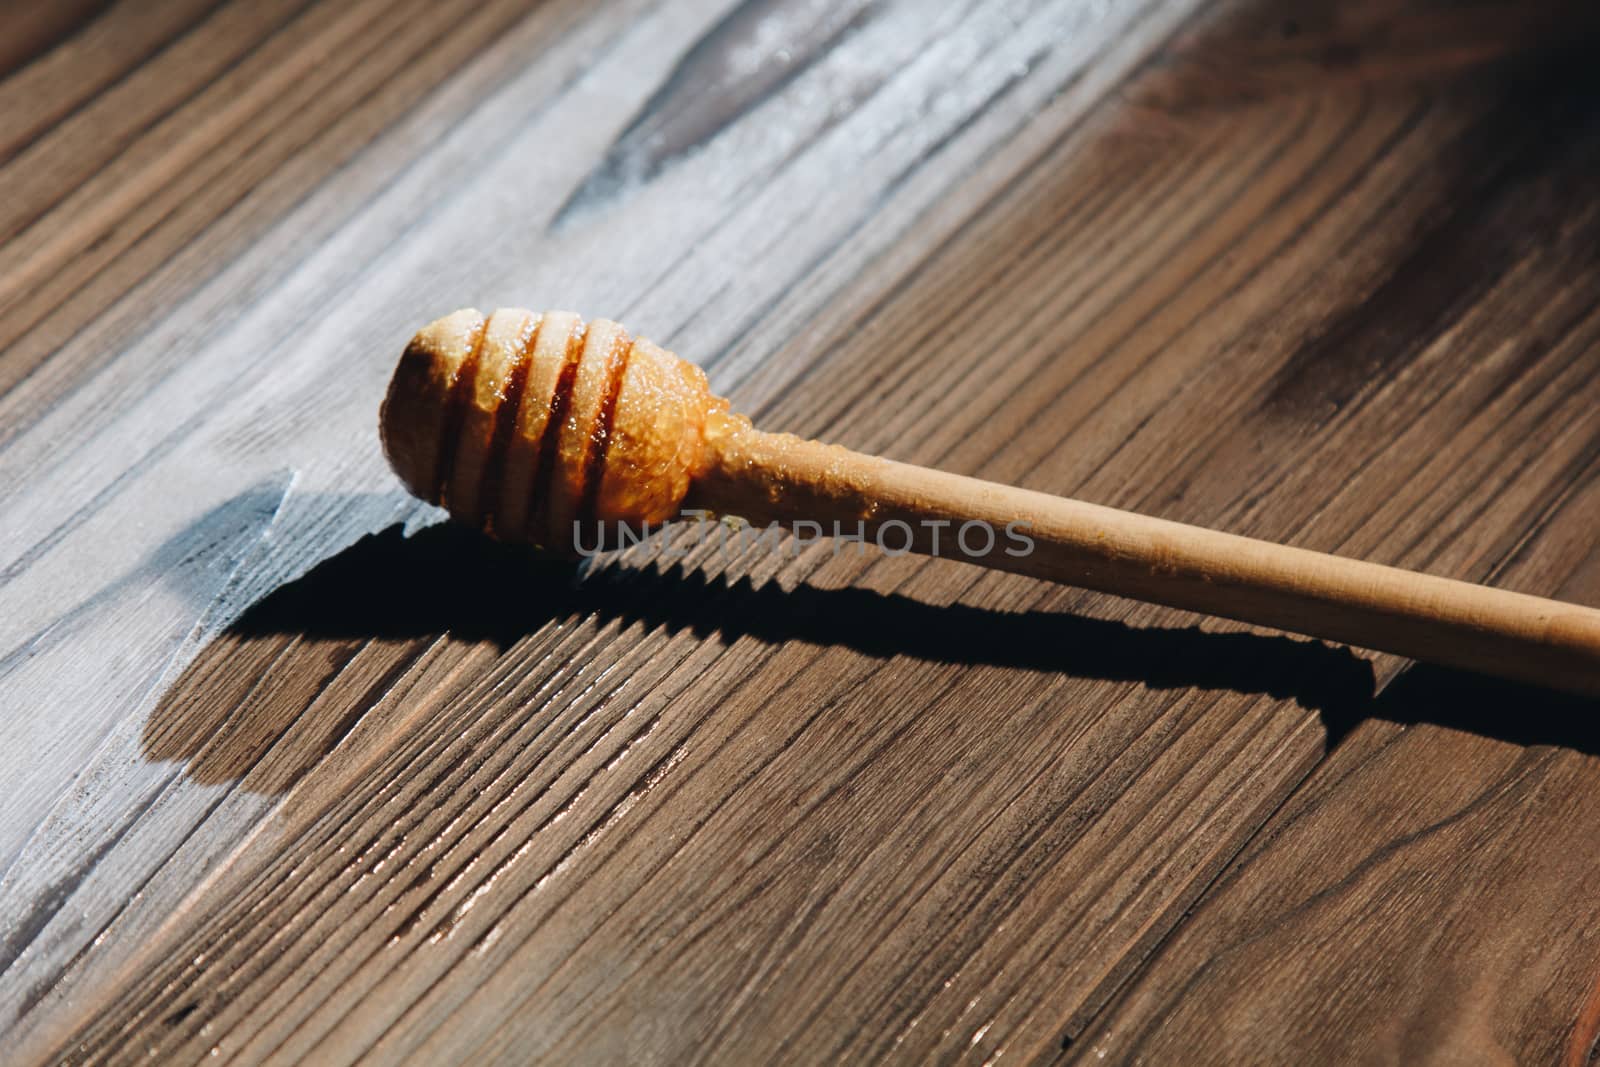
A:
{"x":525,"y":424}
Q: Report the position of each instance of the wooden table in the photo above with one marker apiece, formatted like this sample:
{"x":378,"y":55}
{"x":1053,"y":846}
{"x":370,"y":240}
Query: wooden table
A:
{"x":291,"y":773}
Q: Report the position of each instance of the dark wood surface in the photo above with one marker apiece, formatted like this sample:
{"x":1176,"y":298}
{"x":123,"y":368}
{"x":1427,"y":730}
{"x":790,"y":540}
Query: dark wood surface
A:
{"x":293,"y":773}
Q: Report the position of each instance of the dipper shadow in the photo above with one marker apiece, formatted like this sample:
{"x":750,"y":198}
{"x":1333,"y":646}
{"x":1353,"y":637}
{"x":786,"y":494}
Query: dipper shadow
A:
{"x":265,"y":684}
{"x":1519,"y":714}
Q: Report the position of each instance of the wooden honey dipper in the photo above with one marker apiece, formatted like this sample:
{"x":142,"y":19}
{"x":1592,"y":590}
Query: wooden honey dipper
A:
{"x":537,"y":427}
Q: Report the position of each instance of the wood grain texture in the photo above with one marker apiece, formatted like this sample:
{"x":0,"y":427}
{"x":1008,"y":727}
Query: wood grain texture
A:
{"x":1420,"y":854}
{"x":292,"y":774}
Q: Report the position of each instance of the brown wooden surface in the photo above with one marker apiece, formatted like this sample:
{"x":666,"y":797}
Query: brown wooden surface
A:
{"x":291,"y":774}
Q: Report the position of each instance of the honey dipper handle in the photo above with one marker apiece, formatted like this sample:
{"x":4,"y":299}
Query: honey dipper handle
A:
{"x":769,"y":477}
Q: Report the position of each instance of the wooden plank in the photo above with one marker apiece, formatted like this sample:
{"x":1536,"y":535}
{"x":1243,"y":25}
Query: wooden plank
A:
{"x":426,"y":799}
{"x":218,"y":130}
{"x":1426,"y":895}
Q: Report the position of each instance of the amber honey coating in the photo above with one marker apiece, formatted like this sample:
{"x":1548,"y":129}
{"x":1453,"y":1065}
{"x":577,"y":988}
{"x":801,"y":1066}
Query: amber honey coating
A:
{"x":537,"y":427}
